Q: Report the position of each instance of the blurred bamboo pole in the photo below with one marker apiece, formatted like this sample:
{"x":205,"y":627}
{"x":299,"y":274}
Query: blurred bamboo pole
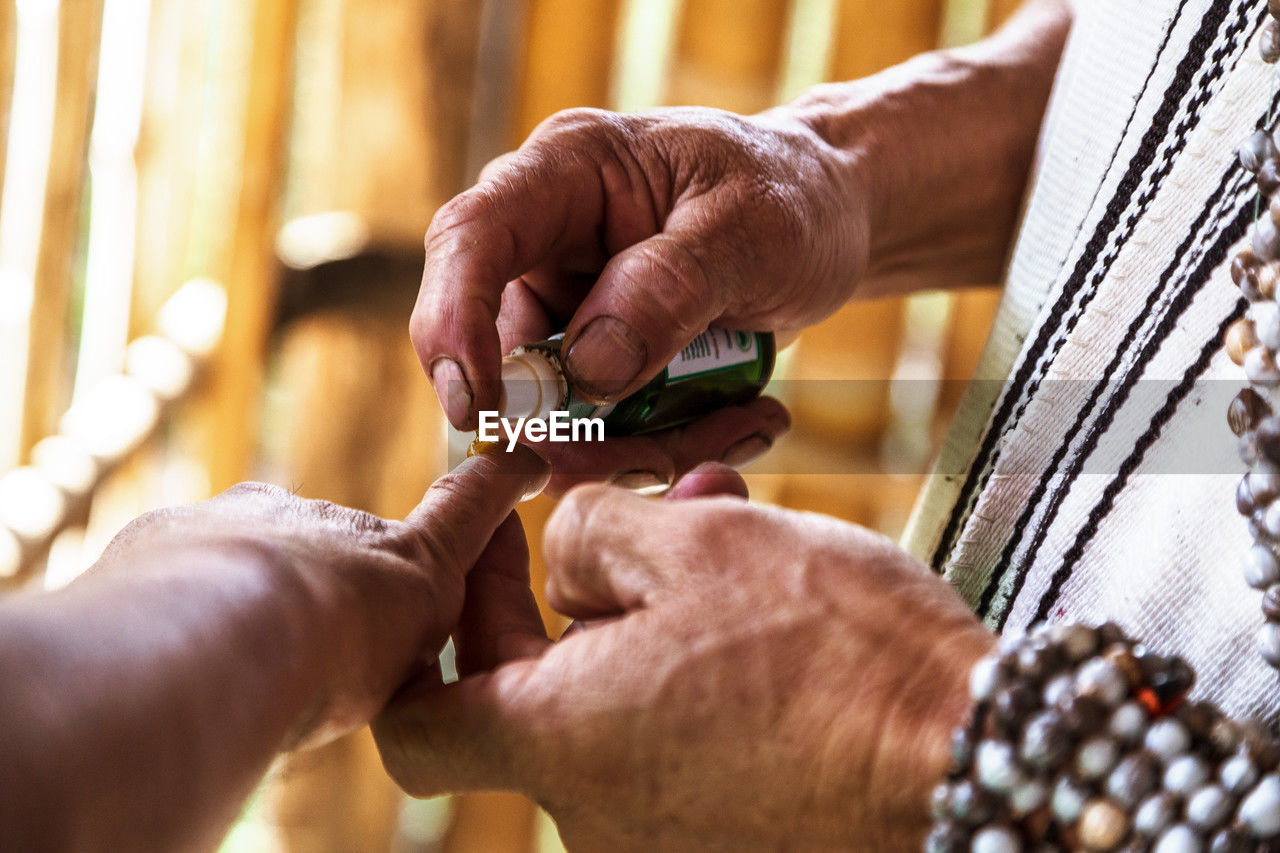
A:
{"x":568,"y":58}
{"x":173,"y":122}
{"x":378,"y":455}
{"x":728,"y":54}
{"x":872,"y":35}
{"x":8,"y":53}
{"x":48,"y":392}
{"x":236,"y":375}
{"x":452,"y":66}
{"x":386,"y":143}
{"x":972,"y":311}
{"x":406,"y":80}
{"x":861,"y":341}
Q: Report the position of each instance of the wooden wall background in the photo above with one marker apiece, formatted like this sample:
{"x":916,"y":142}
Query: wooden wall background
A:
{"x":248,"y":115}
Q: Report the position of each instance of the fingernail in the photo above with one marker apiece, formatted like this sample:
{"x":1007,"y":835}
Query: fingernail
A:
{"x":644,"y":482}
{"x":454,"y":392}
{"x":605,"y":357}
{"x":746,"y":451}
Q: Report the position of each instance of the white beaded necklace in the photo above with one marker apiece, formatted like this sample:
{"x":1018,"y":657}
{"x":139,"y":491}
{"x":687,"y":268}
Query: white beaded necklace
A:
{"x":1253,"y":343}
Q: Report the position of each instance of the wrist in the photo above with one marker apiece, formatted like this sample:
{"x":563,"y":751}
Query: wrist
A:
{"x":916,"y":749}
{"x":263,"y":599}
{"x":847,"y":124}
{"x":937,"y":150}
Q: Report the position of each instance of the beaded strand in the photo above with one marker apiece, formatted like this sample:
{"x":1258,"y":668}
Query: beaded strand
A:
{"x":1253,"y":343}
{"x":1081,"y":739}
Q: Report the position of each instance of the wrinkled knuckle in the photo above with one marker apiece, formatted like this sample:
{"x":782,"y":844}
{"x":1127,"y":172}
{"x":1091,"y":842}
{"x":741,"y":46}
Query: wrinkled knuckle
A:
{"x":569,"y":527}
{"x":576,"y":121}
{"x":360,"y":521}
{"x":421,"y":328}
{"x":253,"y":489}
{"x":455,"y":215}
{"x":717,"y":520}
{"x":686,"y":293}
{"x":156,"y":518}
{"x":717,"y":145}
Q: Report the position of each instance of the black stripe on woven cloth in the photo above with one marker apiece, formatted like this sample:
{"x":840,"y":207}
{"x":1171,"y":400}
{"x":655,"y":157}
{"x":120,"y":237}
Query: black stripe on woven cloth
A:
{"x":1144,"y":443}
{"x":1234,"y":182}
{"x":1184,"y":291}
{"x":1057,"y":333}
{"x":1013,"y":400}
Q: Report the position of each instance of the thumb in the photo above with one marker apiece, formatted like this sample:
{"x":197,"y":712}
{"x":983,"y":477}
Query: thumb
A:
{"x":649,"y":302}
{"x":462,"y":509}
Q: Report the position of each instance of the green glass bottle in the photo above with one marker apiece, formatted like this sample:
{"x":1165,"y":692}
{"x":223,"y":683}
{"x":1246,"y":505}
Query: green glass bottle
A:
{"x":720,"y":367}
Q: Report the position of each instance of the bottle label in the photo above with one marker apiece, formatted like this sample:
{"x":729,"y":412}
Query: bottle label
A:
{"x":712,"y":351}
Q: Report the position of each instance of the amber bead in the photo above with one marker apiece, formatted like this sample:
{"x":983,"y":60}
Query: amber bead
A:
{"x":1249,"y":286}
{"x":1102,"y":825}
{"x":1167,"y":683}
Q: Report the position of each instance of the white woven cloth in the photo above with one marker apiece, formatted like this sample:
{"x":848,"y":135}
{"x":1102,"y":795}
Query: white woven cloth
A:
{"x":1090,"y":473}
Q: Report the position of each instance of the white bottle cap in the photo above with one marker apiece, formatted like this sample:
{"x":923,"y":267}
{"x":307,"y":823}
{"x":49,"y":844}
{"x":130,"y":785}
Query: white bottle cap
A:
{"x":532,"y":385}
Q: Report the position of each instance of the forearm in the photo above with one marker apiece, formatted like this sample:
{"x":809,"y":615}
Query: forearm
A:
{"x":140,"y":708}
{"x":939,"y":149}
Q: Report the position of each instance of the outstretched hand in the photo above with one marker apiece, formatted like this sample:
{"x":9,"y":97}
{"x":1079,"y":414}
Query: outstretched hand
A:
{"x":752,"y":678}
{"x":378,"y":597}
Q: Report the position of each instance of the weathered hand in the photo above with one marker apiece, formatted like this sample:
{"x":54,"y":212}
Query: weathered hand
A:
{"x":381,"y":595}
{"x":634,"y":232}
{"x":753,"y":679}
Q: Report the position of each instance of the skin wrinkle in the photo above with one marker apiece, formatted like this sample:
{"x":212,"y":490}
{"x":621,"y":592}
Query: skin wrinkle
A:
{"x":764,"y":648}
{"x":650,"y":196}
{"x":209,"y":637}
{"x":610,"y":694}
{"x":565,"y":539}
{"x":683,"y":296}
